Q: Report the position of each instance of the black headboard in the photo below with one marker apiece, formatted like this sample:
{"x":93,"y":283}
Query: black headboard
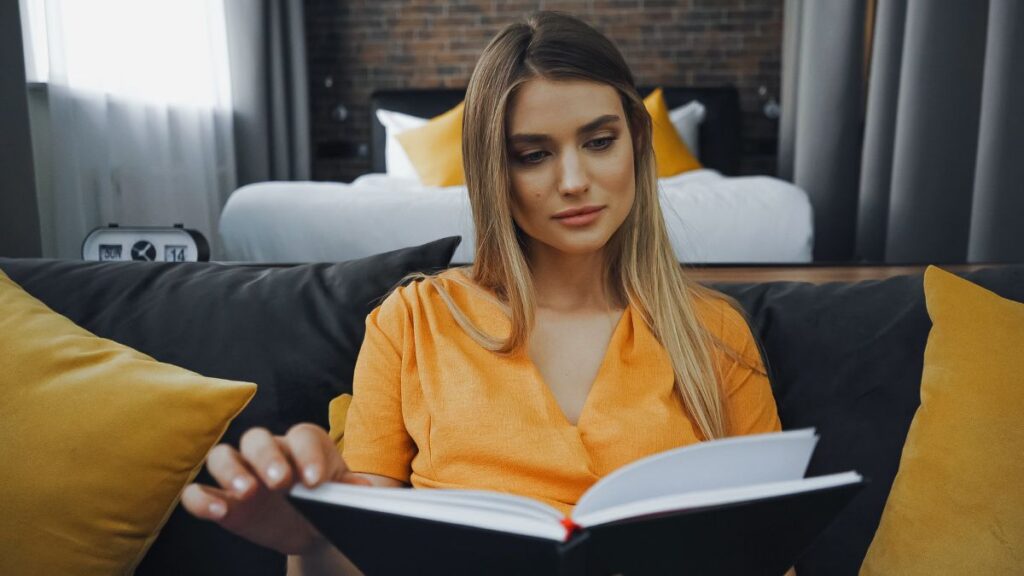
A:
{"x":719,"y":133}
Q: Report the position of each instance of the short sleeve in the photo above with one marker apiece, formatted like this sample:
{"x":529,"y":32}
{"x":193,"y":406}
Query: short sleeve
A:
{"x":750,"y":404}
{"x":375,"y":439}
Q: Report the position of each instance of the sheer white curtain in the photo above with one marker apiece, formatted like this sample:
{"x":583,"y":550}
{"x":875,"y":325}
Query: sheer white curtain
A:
{"x":139,"y":110}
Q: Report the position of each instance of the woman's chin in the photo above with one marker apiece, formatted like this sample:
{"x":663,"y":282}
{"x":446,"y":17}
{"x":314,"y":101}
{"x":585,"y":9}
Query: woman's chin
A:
{"x":579,"y":246}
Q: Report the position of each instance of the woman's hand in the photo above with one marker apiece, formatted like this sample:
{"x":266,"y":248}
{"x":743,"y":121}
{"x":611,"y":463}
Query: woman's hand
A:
{"x":254,"y":482}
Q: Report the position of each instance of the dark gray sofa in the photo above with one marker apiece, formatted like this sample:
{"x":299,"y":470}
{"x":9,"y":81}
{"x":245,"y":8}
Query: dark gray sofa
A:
{"x":845,"y":358}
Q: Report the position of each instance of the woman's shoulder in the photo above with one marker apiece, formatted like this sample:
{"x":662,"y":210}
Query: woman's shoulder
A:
{"x":422,"y":288}
{"x":428,"y":293}
{"x":723,"y":318}
{"x":440,"y":305}
{"x":717,"y":312}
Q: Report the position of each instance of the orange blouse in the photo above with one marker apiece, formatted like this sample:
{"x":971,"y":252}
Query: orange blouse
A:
{"x":432,"y":408}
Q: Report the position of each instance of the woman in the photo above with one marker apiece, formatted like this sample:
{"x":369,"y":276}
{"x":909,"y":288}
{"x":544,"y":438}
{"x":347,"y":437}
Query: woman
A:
{"x":572,"y":346}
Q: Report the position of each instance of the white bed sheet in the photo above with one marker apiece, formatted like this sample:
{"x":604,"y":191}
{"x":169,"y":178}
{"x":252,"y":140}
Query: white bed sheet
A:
{"x":711,"y":218}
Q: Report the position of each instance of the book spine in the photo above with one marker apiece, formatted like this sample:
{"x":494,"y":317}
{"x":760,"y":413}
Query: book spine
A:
{"x":572,"y":556}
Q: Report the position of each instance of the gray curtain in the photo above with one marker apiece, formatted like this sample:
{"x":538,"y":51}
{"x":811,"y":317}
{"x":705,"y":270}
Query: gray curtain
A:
{"x":19,"y":210}
{"x":938,"y":168}
{"x":997,"y":214}
{"x":822,"y":95}
{"x":267,"y":52}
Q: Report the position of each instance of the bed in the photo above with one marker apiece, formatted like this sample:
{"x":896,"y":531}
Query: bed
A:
{"x":712,"y":215}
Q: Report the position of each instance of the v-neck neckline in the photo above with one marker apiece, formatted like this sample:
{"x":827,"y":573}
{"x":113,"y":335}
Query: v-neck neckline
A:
{"x":549,"y":396}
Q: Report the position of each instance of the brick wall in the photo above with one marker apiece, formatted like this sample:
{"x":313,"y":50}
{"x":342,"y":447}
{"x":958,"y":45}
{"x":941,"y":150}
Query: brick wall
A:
{"x":358,"y":46}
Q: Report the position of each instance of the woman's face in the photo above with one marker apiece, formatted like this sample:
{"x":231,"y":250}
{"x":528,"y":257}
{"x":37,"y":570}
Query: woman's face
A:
{"x":571,"y":162}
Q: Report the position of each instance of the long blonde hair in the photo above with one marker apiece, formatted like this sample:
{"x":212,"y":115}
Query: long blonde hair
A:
{"x":641,"y":266}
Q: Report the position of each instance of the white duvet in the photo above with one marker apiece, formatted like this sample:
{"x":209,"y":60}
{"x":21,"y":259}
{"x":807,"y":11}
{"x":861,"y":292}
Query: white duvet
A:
{"x":711,"y":218}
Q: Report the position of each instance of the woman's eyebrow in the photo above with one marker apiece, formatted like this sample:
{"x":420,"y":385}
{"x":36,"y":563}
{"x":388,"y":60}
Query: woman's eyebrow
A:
{"x":588,"y":127}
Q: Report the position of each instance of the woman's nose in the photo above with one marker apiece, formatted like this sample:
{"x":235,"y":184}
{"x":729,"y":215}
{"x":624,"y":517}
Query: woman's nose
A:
{"x":573,"y":178}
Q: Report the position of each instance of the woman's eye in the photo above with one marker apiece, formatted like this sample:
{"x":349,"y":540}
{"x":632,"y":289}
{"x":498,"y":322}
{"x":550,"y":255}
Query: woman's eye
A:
{"x":539,"y":155}
{"x":601,"y":143}
{"x":532,"y":157}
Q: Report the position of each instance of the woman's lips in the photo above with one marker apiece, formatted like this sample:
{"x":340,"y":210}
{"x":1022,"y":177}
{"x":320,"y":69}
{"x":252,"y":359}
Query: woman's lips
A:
{"x":581,"y":217}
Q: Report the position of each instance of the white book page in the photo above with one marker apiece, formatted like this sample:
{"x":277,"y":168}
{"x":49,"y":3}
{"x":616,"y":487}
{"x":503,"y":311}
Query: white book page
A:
{"x":716,"y":464}
{"x":478,"y":508}
{"x":713,"y":497}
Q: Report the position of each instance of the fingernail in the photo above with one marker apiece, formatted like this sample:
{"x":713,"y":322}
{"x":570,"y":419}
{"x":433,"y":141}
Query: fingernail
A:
{"x":312,"y":473}
{"x":241,"y":483}
{"x":218,"y":509}
{"x":275,"y":472}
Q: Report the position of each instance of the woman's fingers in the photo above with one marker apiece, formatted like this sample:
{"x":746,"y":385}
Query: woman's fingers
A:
{"x":205,"y":502}
{"x":251,"y":500}
{"x":316,"y":456}
{"x":227,"y":468}
{"x":263,"y":453}
{"x":264,"y":522}
{"x":305,"y":453}
{"x":307,"y":449}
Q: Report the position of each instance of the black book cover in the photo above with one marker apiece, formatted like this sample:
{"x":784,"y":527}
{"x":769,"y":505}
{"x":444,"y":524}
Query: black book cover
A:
{"x":755,"y":537}
{"x":382,"y":543}
{"x":764,"y":536}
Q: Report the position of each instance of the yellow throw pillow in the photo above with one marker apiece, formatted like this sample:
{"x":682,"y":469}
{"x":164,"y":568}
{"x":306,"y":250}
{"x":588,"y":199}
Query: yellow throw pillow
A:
{"x":957,"y":503}
{"x":337,"y":414}
{"x":96,"y":442}
{"x":670,"y":151}
{"x":435,"y":149}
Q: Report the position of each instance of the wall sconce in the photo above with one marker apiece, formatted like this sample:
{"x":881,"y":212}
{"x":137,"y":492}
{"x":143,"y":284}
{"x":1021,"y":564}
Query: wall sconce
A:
{"x":769,"y":103}
{"x":339,"y":113}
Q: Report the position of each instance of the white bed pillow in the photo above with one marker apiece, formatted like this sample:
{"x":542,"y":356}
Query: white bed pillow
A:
{"x":396,"y":161}
{"x":686,"y":119}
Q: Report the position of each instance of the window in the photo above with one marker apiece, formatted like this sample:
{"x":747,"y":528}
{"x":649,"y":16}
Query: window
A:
{"x":167,"y":51}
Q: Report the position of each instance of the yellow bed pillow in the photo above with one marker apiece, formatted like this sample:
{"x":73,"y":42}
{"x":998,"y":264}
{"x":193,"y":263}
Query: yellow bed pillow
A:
{"x":435,"y":149}
{"x":671,"y":153}
{"x":96,"y":441}
{"x":957,"y":503}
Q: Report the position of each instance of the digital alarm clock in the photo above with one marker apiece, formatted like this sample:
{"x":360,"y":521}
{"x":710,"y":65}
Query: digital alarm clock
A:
{"x":153,"y":244}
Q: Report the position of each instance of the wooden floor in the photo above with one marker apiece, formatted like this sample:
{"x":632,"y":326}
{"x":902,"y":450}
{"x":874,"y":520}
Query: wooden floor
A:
{"x":813,"y":273}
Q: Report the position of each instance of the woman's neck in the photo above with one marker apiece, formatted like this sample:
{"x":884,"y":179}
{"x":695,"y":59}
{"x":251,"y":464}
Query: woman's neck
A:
{"x":570,"y":282}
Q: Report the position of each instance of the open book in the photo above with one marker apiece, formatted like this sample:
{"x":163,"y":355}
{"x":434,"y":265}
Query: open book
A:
{"x":738,"y":505}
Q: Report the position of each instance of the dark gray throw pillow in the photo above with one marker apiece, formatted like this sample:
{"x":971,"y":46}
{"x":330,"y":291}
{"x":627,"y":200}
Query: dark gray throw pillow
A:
{"x":293,"y":330}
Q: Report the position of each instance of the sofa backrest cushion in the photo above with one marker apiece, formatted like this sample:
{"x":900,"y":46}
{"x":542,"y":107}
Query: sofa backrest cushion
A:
{"x":295,"y":331}
{"x":846,"y":358}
